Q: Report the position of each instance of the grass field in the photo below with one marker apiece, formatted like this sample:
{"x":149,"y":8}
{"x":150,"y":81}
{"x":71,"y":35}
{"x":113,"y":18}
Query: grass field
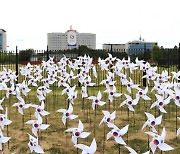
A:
{"x":55,"y":141}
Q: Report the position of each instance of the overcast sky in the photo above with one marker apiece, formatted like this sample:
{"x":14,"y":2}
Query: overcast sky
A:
{"x":27,"y":22}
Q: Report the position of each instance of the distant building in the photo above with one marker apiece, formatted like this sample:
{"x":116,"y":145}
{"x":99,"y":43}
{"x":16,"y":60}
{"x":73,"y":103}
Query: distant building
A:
{"x":3,"y":44}
{"x":114,"y":47}
{"x":139,"y":46}
{"x":59,"y":41}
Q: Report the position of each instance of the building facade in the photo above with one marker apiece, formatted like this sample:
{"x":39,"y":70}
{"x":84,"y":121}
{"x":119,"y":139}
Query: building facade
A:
{"x":59,"y":41}
{"x":3,"y":45}
{"x":114,"y":47}
{"x":135,"y":47}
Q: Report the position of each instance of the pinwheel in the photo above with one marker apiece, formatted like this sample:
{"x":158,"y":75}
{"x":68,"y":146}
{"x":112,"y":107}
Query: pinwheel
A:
{"x":129,"y":102}
{"x":37,"y":125}
{"x":21,"y":105}
{"x":78,"y":132}
{"x":4,"y":121}
{"x":70,"y":76}
{"x":178,"y":131}
{"x":152,"y":121}
{"x":62,"y":81}
{"x":103,"y":65}
{"x":40,"y":109}
{"x":87,"y":82}
{"x":32,"y":82}
{"x":3,"y":139}
{"x":176,"y":75}
{"x":33,"y":145}
{"x":97,"y":100}
{"x":117,"y":134}
{"x":88,"y":149}
{"x":108,"y":118}
{"x":142,"y":94}
{"x":161,"y":103}
{"x":163,"y":76}
{"x":40,"y":95}
{"x":176,"y":96}
{"x":1,"y":101}
{"x":44,"y":90}
{"x":132,"y":67}
{"x":24,"y":88}
{"x":158,"y":141}
{"x":84,"y":91}
{"x":110,"y":59}
{"x":112,"y":93}
{"x":3,"y":86}
{"x":10,"y":91}
{"x":67,"y":114}
{"x":109,"y":80}
{"x":130,"y":85}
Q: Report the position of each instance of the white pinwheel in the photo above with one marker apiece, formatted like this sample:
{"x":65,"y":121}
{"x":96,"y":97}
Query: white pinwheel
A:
{"x":107,"y":119}
{"x":10,"y":91}
{"x":3,"y":139}
{"x":24,"y":88}
{"x":97,"y":100}
{"x":161,"y":103}
{"x":176,"y":96}
{"x":37,"y":125}
{"x":142,"y":94}
{"x":158,"y":141}
{"x":33,"y":145}
{"x":152,"y":121}
{"x":88,"y":149}
{"x":117,"y":134}
{"x":40,"y":109}
{"x":67,"y":114}
{"x":84,"y":91}
{"x":21,"y":105}
{"x":103,"y":65}
{"x":78,"y":132}
{"x":1,"y":101}
{"x":178,"y":131}
{"x":4,"y":121}
{"x":129,"y":102}
{"x":130,"y":85}
{"x":112,"y":93}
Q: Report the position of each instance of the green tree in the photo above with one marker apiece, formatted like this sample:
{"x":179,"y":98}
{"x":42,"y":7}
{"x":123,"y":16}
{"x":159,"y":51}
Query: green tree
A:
{"x":25,"y":55}
{"x":156,"y":54}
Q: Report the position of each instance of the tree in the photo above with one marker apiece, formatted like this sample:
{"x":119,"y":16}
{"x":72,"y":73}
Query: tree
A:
{"x":25,"y":55}
{"x":156,"y":54}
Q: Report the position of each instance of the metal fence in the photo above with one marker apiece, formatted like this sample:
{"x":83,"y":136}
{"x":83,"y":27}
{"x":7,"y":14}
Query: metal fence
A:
{"x":169,"y":60}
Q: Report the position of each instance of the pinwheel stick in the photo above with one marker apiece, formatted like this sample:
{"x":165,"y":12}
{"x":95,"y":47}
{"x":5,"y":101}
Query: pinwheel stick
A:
{"x":104,"y":138}
{"x":8,"y":135}
{"x":176,"y":122}
{"x":83,"y":104}
{"x":23,"y":121}
{"x":119,"y":148}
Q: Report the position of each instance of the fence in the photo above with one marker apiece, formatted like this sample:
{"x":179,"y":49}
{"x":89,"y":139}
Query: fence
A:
{"x":169,"y":59}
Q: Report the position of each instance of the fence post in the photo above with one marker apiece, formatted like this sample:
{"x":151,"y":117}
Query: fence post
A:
{"x":144,"y":72}
{"x":47,"y":54}
{"x":17,"y":62}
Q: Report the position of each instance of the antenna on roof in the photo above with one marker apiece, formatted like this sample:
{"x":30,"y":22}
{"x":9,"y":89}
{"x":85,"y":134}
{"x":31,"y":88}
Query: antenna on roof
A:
{"x":140,"y":38}
{"x":70,"y":27}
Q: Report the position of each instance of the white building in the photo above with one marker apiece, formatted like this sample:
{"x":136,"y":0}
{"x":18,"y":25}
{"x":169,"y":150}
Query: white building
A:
{"x":59,"y":41}
{"x":114,"y":47}
{"x":3,"y":44}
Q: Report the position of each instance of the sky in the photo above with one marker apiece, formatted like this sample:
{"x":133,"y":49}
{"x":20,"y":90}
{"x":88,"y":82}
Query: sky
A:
{"x":27,"y":22}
